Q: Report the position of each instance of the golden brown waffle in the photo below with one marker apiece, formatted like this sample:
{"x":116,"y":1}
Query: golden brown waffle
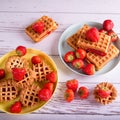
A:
{"x":15,"y":61}
{"x":49,"y":26}
{"x":41,"y":70}
{"x":101,"y":46}
{"x":29,"y":95}
{"x":8,"y":90}
{"x":101,"y":61}
{"x":28,"y":79}
{"x":110,"y":98}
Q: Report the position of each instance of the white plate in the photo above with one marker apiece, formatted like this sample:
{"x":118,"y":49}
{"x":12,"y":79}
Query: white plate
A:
{"x":63,"y":48}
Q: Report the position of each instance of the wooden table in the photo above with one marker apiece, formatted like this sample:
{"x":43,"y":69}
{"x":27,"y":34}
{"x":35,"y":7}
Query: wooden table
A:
{"x":16,"y":15}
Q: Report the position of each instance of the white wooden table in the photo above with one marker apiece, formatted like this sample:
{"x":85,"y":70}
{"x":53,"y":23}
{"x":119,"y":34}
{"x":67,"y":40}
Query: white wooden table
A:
{"x":16,"y":15}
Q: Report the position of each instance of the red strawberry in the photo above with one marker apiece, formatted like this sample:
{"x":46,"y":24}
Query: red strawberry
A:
{"x":44,"y":94}
{"x":69,"y":95}
{"x":92,"y":34}
{"x":103,"y":31}
{"x":36,"y":59}
{"x":89,"y":69}
{"x":52,"y":77}
{"x":78,"y":63}
{"x":38,"y":27}
{"x":72,"y":84}
{"x":83,"y":92}
{"x":113,"y":35}
{"x":80,"y":53}
{"x":2,"y":73}
{"x":21,"y":50}
{"x":18,"y":73}
{"x":108,"y":25}
{"x":49,"y":86}
{"x":16,"y":107}
{"x":69,"y":56}
{"x":103,"y":92}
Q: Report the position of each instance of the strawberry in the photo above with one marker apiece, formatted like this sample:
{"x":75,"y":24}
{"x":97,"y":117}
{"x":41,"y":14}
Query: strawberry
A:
{"x":49,"y":86}
{"x":72,"y":84}
{"x":21,"y":50}
{"x":69,"y":95}
{"x":36,"y":59}
{"x":92,"y":34}
{"x":89,"y":69}
{"x":69,"y":56}
{"x":103,"y":31}
{"x":80,"y":53}
{"x":2,"y":73}
{"x":16,"y":107}
{"x":52,"y":76}
{"x":103,"y":92}
{"x":78,"y":63}
{"x":83,"y":92}
{"x":108,"y":25}
{"x":18,"y":73}
{"x":38,"y":27}
{"x":113,"y":35}
{"x":44,"y":94}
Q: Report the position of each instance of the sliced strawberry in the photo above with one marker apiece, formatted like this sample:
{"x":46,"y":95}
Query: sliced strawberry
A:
{"x":69,"y":95}
{"x":108,"y":25}
{"x":92,"y":34}
{"x":36,"y":59}
{"x":21,"y":50}
{"x":49,"y":86}
{"x":78,"y":63}
{"x":69,"y":56}
{"x":2,"y":73}
{"x":80,"y":53}
{"x":52,"y":76}
{"x":113,"y":35}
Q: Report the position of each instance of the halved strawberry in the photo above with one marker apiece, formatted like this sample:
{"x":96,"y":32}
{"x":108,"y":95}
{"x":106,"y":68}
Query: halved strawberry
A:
{"x":36,"y":59}
{"x":69,"y":56}
{"x":52,"y":76}
{"x":21,"y":50}
{"x":78,"y":63}
{"x":113,"y":35}
{"x":49,"y":86}
{"x":80,"y":53}
{"x":108,"y":25}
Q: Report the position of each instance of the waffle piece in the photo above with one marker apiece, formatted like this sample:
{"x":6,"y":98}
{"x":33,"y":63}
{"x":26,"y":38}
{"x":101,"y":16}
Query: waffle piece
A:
{"x":49,"y":26}
{"x":110,"y":98}
{"x":29,"y":95}
{"x":8,"y":90}
{"x":28,"y":79}
{"x":41,"y":70}
{"x":100,"y":47}
{"x":101,"y":61}
{"x":15,"y":61}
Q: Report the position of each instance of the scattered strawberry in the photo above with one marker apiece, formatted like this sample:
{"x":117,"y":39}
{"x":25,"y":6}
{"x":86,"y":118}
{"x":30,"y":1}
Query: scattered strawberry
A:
{"x":49,"y":86}
{"x":21,"y":50}
{"x":113,"y":35}
{"x":92,"y":34}
{"x":69,"y":56}
{"x":103,"y":92}
{"x":72,"y":84}
{"x":2,"y":73}
{"x":36,"y":59}
{"x":18,"y":73}
{"x":78,"y":63}
{"x":44,"y":94}
{"x":89,"y":69}
{"x":52,"y":77}
{"x":38,"y":27}
{"x":83,"y":92}
{"x":80,"y":53}
{"x":69,"y":95}
{"x":108,"y":25}
{"x":16,"y":107}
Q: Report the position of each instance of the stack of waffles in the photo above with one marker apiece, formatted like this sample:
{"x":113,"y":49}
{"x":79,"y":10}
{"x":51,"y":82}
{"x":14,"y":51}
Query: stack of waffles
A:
{"x":99,"y":53}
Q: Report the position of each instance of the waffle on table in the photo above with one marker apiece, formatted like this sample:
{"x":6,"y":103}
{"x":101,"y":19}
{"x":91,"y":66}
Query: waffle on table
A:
{"x":101,"y":61}
{"x":8,"y":90}
{"x":49,"y":26}
{"x":110,"y":98}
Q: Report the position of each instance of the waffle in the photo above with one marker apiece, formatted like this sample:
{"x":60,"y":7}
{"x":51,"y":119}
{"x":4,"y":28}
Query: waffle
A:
{"x":49,"y":26}
{"x":101,"y":61}
{"x":15,"y":61}
{"x":8,"y":90}
{"x":110,"y":98}
{"x":100,"y":47}
{"x":29,"y":95}
{"x":28,"y":79}
{"x":41,"y":70}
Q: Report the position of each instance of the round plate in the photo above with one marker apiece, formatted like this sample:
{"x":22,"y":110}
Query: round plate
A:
{"x":63,"y":48}
{"x":4,"y":106}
